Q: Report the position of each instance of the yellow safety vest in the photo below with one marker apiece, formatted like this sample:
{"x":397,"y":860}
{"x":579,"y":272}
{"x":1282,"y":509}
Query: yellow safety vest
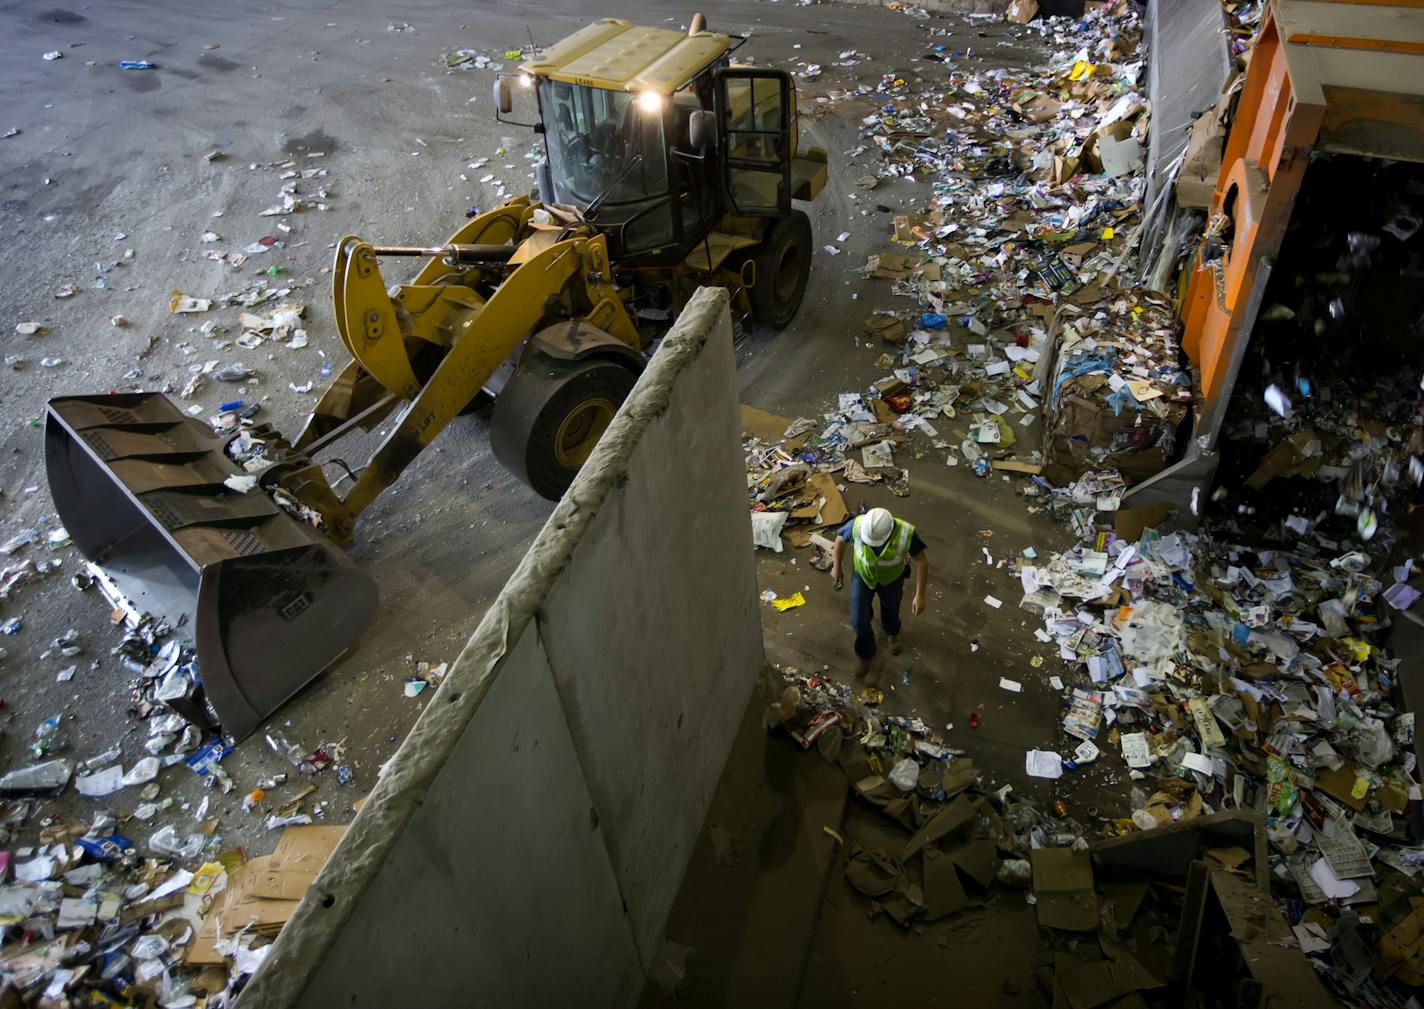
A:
{"x":877,"y":568}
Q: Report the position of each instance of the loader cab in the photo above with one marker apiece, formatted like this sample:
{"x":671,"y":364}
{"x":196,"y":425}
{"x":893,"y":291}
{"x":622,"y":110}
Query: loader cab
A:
{"x":657,"y":172}
{"x":608,"y":154}
{"x":656,"y":137}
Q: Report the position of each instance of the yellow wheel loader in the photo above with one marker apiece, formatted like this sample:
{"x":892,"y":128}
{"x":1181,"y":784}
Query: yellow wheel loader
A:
{"x":666,"y":168}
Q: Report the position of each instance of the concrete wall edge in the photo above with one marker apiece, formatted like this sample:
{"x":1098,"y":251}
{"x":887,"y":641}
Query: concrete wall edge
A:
{"x":328,"y":905}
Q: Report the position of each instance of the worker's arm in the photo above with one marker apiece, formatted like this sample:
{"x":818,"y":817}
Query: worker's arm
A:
{"x":922,"y":575}
{"x":836,"y":550}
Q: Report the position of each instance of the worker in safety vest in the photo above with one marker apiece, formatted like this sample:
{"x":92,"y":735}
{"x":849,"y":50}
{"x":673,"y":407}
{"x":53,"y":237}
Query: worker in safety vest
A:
{"x":882,"y":548}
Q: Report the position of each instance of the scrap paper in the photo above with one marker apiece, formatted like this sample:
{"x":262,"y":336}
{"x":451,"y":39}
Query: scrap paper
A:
{"x":996,"y":603}
{"x":1311,"y":937}
{"x":1329,"y":885}
{"x":1135,"y":750}
{"x":100,"y":783}
{"x":1197,"y":762}
{"x":1011,"y":685}
{"x":1343,"y":852}
{"x":1043,"y":764}
{"x":1085,"y":713}
{"x":1401,"y":596}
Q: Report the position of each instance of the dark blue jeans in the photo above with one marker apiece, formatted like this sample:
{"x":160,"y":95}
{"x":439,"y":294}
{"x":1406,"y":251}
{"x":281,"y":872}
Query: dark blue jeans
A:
{"x":861,"y":595}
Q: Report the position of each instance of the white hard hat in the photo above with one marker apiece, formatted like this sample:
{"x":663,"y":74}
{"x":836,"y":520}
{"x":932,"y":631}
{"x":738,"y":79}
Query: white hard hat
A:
{"x":875,"y":527}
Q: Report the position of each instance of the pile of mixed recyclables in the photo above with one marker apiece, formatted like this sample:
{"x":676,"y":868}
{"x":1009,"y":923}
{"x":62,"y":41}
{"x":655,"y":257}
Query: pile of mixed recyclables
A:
{"x":1222,"y":676}
{"x":1016,"y":262}
{"x":1014,"y":268}
{"x":93,"y":916}
{"x":89,"y":921}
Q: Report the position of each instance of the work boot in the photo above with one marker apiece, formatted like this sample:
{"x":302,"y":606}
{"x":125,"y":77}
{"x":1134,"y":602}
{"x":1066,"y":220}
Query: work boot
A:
{"x":862,"y":669}
{"x":894,"y":644}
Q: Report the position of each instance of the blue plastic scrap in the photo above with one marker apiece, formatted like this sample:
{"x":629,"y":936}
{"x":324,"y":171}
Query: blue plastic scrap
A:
{"x":136,"y":65}
{"x":1121,"y":398}
{"x":106,"y":848}
{"x":206,"y":756}
{"x":1084,"y":365}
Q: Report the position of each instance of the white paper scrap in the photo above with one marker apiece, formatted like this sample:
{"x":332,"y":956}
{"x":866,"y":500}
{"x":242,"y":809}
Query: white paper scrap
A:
{"x":1325,"y":879}
{"x":1011,"y":685}
{"x":996,"y":603}
{"x":35,"y":870}
{"x":172,"y":884}
{"x":100,"y":783}
{"x":1043,"y":764}
{"x":1197,"y":762}
{"x":1135,"y":750}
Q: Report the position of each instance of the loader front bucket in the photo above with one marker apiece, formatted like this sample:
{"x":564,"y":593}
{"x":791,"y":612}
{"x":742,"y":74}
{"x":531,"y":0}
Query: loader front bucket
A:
{"x":268,"y":601}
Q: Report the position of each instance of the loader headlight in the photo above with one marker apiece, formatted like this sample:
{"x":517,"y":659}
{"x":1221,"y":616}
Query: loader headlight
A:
{"x":525,"y":80}
{"x":650,"y":101}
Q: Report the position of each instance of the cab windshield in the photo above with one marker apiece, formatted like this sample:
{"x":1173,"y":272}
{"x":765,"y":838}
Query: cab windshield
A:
{"x":593,"y":136}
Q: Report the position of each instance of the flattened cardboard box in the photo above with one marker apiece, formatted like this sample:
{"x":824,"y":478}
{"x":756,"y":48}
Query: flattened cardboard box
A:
{"x":763,"y":425}
{"x":1063,"y":887}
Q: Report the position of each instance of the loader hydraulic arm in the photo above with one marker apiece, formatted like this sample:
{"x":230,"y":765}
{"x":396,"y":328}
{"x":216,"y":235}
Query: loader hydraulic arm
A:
{"x":435,"y":343}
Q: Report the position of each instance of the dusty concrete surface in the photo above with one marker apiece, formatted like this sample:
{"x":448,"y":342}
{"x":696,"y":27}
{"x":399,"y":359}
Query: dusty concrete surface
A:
{"x":124,"y":153}
{"x":104,"y":152}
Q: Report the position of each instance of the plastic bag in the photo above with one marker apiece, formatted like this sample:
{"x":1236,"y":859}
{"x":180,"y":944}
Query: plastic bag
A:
{"x":165,"y":842}
{"x":1015,"y":872}
{"x":905,"y":774}
{"x":1373,"y":745}
{"x":145,"y":770}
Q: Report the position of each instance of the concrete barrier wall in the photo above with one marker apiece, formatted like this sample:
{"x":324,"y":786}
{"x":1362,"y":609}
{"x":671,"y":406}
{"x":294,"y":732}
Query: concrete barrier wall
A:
{"x":525,"y":844}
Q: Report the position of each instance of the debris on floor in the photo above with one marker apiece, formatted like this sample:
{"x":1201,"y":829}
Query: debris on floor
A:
{"x":1117,"y":915}
{"x":1240,"y":670}
{"x":138,"y":900}
{"x":1119,"y":393}
{"x":100,"y":919}
{"x":1015,"y":271}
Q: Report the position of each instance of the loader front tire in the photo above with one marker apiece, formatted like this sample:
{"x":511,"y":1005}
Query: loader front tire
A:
{"x":551,"y":413}
{"x":783,"y":265}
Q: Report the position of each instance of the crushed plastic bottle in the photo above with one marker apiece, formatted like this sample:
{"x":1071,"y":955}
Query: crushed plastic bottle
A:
{"x":284,"y":747}
{"x":232,"y":373}
{"x":49,"y":737}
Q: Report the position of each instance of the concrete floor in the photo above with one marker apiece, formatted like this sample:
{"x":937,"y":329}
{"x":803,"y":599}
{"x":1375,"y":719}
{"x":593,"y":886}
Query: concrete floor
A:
{"x":104,"y":152}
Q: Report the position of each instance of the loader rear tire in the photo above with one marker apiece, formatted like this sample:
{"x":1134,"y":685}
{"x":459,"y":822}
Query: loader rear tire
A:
{"x":551,"y":413}
{"x":783,"y":265}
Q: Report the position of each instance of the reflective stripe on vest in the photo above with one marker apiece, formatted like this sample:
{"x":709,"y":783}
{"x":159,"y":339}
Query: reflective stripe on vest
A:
{"x":883,"y":567}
